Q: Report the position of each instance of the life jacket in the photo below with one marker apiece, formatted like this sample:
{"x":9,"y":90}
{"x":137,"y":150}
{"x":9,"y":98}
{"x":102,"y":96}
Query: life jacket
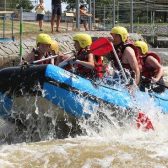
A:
{"x":99,"y":66}
{"x":37,"y":56}
{"x":99,"y":69}
{"x":120,"y":50}
{"x":148,"y":71}
{"x":82,"y":55}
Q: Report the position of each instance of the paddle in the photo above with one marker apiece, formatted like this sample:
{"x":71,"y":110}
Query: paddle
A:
{"x":45,"y":59}
{"x":50,"y":57}
{"x":119,"y":63}
{"x":66,"y":61}
{"x":144,"y":122}
{"x":103,"y":46}
{"x":100,"y":47}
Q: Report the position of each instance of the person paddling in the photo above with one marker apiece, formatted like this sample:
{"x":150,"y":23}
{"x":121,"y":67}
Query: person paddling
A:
{"x":43,"y":42}
{"x":152,"y":70}
{"x":84,"y":64}
{"x":126,"y":53}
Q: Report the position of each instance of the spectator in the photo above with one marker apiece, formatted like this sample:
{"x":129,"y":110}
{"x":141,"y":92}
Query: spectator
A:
{"x":40,"y":10}
{"x":56,"y":10}
{"x":84,"y":17}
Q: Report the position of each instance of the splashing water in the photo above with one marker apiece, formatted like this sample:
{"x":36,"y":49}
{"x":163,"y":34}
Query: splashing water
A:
{"x":105,"y":144}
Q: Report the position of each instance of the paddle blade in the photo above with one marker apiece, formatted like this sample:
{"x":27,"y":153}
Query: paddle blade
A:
{"x":144,"y":122}
{"x":101,"y":46}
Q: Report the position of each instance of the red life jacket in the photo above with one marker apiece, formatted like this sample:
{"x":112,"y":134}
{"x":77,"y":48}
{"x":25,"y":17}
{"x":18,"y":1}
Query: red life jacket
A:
{"x":37,"y":56}
{"x":120,"y":50}
{"x":82,"y":55}
{"x":98,"y":66}
{"x":147,"y":70}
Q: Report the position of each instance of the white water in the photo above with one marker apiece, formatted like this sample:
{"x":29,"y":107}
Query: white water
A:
{"x":111,"y":146}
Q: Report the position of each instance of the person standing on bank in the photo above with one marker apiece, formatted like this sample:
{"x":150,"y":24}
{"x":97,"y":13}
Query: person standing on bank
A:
{"x":56,"y":11}
{"x":40,"y":10}
{"x":84,"y":17}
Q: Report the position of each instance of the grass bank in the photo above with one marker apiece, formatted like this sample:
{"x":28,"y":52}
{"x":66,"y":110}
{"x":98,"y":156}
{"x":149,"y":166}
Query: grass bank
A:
{"x":30,"y":29}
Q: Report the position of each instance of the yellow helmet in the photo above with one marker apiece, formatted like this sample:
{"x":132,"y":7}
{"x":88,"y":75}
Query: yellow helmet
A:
{"x":122,"y":31}
{"x":54,"y":46}
{"x":143,"y":46}
{"x":43,"y":39}
{"x":83,"y":39}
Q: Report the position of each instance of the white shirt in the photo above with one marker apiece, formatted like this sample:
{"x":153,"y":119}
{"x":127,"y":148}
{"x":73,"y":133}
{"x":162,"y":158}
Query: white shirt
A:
{"x":39,"y":10}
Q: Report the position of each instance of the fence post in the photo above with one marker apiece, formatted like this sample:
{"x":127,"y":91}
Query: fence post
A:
{"x":4,"y":28}
{"x":90,"y":18}
{"x":94,"y":11}
{"x":132,"y":17}
{"x":12,"y":16}
{"x":21,"y":32}
{"x":104,"y":17}
{"x":77,"y":15}
{"x":118,"y":5}
{"x":114,"y":13}
{"x":147,"y":12}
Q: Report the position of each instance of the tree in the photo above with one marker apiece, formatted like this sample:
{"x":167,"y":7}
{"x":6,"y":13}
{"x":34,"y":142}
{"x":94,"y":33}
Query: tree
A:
{"x":15,"y":4}
{"x":72,"y":4}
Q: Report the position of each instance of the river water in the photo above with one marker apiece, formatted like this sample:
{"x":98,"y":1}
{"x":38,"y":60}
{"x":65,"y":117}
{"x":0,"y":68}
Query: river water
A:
{"x":104,"y":145}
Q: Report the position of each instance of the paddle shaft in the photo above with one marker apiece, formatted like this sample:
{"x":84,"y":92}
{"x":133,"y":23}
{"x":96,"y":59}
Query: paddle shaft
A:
{"x":119,"y":63}
{"x":45,"y":59}
{"x":65,"y":62}
{"x":21,"y":33}
{"x":48,"y":58}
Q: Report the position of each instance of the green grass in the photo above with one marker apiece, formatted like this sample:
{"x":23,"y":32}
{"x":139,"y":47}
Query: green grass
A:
{"x":30,"y":29}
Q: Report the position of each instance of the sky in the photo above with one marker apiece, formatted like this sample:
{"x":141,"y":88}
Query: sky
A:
{"x":48,"y":5}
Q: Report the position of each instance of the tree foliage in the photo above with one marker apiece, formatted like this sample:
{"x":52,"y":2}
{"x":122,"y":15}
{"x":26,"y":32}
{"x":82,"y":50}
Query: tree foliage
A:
{"x":72,"y":5}
{"x":16,"y":4}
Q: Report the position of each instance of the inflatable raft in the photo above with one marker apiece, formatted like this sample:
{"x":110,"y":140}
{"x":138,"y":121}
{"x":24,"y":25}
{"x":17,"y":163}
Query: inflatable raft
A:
{"x":77,"y":96}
